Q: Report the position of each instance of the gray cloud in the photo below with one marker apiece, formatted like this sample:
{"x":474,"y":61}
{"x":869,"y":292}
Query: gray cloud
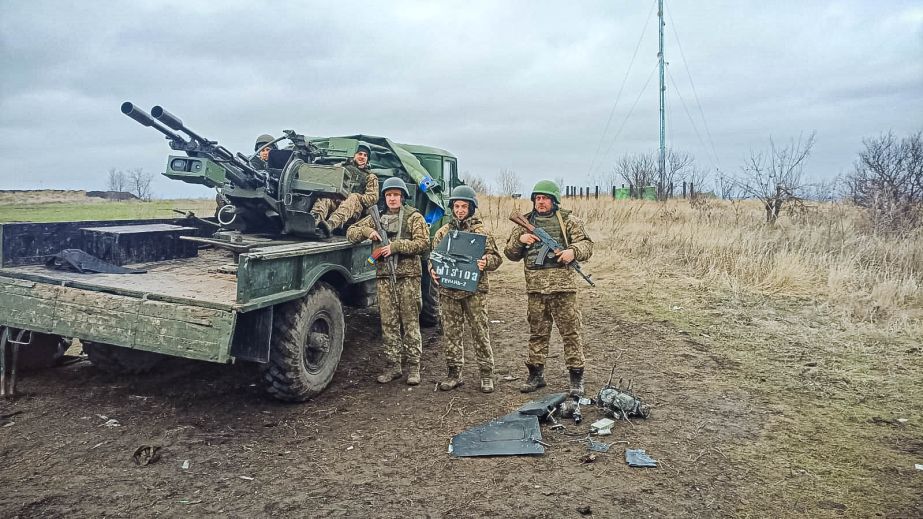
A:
{"x":521,"y":85}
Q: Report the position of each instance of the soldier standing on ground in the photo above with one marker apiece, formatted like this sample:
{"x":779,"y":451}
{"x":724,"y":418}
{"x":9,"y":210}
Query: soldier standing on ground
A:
{"x":399,"y":303}
{"x":551,"y":287}
{"x":355,"y":203}
{"x":458,"y":307}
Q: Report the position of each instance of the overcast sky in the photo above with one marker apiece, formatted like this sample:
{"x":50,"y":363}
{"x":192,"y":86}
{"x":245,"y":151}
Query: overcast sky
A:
{"x":526,"y":85}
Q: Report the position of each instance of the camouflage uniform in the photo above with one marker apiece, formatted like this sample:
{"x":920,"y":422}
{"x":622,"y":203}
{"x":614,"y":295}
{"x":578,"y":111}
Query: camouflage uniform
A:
{"x":354,"y":204}
{"x":399,"y":305}
{"x":552,"y":288}
{"x":458,"y":307}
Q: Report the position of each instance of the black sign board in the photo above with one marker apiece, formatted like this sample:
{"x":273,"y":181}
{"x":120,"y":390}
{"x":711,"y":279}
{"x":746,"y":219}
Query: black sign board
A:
{"x":455,"y":260}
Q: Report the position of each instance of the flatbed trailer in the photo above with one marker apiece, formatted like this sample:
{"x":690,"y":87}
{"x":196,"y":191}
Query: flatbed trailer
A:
{"x":254,"y":298}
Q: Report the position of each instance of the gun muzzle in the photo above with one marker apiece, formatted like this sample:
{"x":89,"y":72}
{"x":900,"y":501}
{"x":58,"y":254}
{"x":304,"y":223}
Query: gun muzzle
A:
{"x":172,"y":121}
{"x":137,"y":114}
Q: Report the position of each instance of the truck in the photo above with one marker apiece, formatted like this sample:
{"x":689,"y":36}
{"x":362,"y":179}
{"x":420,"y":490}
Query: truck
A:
{"x":255,"y":282}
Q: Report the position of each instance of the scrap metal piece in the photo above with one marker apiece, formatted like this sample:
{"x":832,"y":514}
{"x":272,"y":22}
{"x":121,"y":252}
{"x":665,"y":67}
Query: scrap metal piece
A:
{"x":639,"y":458}
{"x":512,"y":435}
{"x":543,"y":407}
{"x":621,"y":403}
{"x":597,"y":446}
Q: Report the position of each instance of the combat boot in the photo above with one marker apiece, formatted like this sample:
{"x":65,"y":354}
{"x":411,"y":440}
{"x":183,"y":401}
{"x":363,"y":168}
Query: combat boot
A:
{"x":576,"y":381}
{"x":536,"y":378}
{"x":392,"y":372}
{"x":452,"y":380}
{"x":487,"y":381}
{"x":413,"y":377}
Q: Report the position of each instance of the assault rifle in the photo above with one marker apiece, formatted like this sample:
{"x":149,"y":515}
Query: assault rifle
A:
{"x":376,"y":253}
{"x":550,"y":247}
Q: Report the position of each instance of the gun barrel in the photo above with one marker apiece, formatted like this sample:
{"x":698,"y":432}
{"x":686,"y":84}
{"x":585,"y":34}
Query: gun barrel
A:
{"x":174,"y":122}
{"x":167,"y":118}
{"x":143,"y":118}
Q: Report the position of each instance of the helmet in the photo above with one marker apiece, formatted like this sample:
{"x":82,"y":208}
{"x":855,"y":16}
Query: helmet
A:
{"x":547,"y":187}
{"x":395,"y":183}
{"x":262,"y":140}
{"x":464,"y":193}
{"x":363,"y":147}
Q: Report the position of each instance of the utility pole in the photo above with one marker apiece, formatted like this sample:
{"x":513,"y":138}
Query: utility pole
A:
{"x":663,"y":88}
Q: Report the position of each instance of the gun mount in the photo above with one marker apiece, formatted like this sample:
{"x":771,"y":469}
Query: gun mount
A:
{"x":252,"y":196}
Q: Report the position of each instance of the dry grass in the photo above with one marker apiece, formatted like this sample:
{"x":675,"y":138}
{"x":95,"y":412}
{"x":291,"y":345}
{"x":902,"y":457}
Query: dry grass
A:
{"x":821,"y":254}
{"x":819,"y":322}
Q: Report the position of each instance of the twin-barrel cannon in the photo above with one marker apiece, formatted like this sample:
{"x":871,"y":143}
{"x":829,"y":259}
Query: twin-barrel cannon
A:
{"x":253,"y":197}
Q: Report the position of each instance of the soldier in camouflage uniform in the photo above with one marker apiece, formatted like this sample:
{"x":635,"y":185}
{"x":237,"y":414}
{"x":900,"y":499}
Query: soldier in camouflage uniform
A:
{"x":551,"y":287}
{"x":459,"y":307}
{"x":355,"y":203}
{"x":399,"y":303}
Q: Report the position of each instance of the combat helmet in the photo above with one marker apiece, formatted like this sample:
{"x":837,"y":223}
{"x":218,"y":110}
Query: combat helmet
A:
{"x":467,"y":194}
{"x":547,"y":187}
{"x":262,"y":140}
{"x":395,"y":183}
{"x":362,"y":146}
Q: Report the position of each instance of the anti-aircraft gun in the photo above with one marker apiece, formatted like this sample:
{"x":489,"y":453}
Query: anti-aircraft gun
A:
{"x":255,"y":198}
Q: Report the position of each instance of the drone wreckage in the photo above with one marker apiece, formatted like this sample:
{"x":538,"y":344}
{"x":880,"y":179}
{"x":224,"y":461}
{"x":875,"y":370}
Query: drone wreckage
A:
{"x":519,"y":433}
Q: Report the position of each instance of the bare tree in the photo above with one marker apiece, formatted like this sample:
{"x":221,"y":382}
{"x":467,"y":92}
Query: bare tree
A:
{"x":117,"y":181}
{"x":777,"y":177}
{"x":676,"y":168}
{"x":696,"y":178}
{"x":475,"y":182}
{"x":887,"y":180}
{"x":726,"y":185}
{"x":508,"y":182}
{"x":139,"y":183}
{"x":637,"y":169}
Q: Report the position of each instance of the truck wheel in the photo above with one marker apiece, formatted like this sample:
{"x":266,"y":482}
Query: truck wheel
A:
{"x":120,"y":361}
{"x":429,"y":315}
{"x":307,"y":341}
{"x":43,"y":352}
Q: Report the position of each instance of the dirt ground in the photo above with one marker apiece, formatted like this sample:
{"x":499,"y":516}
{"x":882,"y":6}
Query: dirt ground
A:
{"x":363,"y":449}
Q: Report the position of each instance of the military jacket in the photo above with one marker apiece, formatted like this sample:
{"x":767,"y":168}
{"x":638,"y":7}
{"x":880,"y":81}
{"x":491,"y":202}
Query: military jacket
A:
{"x":554,"y":276}
{"x":369,"y":196}
{"x":409,"y":237}
{"x":474,"y":225}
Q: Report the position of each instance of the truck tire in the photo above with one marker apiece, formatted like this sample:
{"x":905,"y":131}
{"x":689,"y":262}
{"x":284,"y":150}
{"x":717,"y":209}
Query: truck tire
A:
{"x":44,"y":351}
{"x":306,"y":344}
{"x":120,"y":361}
{"x":429,"y":315}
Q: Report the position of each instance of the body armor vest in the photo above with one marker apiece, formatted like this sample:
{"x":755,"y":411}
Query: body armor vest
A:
{"x":552,"y":226}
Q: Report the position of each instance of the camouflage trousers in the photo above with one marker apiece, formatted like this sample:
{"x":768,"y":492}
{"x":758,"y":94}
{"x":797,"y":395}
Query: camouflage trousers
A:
{"x":400,"y":319}
{"x":342,"y":212}
{"x":455,"y":314}
{"x":560,"y":309}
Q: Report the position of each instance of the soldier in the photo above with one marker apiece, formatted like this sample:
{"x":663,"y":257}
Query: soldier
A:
{"x":551,"y":287}
{"x":400,"y":302}
{"x":271,"y":156}
{"x":355,"y":203}
{"x":457,"y":307}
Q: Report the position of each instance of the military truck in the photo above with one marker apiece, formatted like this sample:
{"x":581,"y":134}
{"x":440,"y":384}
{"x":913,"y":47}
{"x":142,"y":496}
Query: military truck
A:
{"x":254,"y":283}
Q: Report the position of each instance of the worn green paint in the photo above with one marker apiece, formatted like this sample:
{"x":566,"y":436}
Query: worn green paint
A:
{"x":277,"y":274}
{"x":171,"y":328}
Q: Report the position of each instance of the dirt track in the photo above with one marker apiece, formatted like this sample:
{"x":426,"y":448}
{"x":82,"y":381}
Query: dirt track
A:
{"x":362,"y":449}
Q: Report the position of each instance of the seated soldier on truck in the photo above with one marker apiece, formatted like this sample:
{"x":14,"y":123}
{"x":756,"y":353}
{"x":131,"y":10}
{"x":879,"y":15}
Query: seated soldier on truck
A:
{"x":355,"y":203}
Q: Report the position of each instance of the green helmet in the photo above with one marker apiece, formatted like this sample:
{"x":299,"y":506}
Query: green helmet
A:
{"x":547,"y":187}
{"x":464,"y":193}
{"x":395,"y":183}
{"x":365,"y":148}
{"x":262,"y":140}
